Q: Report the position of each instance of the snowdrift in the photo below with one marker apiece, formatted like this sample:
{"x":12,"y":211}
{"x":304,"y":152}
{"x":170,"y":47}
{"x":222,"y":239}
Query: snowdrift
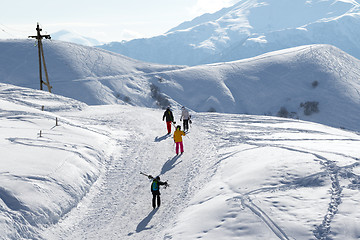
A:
{"x":45,"y":168}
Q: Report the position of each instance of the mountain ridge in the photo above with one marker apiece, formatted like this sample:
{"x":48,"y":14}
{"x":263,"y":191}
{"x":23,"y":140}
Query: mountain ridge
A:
{"x":313,"y":82}
{"x":247,"y":29}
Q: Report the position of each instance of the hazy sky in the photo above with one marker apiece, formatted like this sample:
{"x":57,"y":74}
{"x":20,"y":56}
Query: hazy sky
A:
{"x":106,"y":20}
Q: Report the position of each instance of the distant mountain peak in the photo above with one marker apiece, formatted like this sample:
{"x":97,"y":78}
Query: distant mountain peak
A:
{"x":249,"y":28}
{"x":68,"y":36}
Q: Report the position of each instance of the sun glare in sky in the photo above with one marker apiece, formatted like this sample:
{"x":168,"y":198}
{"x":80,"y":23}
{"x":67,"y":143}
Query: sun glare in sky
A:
{"x":108,"y":20}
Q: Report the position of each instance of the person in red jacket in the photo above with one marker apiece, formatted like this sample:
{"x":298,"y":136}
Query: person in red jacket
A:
{"x":178,"y":139}
{"x":168,"y":115}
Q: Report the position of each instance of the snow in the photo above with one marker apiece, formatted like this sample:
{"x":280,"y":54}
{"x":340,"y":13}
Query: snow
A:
{"x":295,"y":79}
{"x":45,"y":169}
{"x":99,"y":73}
{"x":250,"y":28}
{"x":70,"y":165}
{"x":241,"y":176}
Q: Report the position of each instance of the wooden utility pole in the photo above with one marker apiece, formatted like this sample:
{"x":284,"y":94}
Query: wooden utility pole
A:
{"x":39,"y":37}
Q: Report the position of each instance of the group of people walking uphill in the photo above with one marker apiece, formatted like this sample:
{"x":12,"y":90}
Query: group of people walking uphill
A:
{"x":169,"y":118}
{"x":185,"y":117}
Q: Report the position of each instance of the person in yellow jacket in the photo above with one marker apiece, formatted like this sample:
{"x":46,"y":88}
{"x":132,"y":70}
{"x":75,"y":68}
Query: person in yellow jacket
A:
{"x":178,"y":139}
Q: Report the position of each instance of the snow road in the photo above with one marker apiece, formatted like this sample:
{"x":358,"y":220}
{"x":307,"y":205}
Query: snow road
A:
{"x":119,"y":204}
{"x":241,"y":177}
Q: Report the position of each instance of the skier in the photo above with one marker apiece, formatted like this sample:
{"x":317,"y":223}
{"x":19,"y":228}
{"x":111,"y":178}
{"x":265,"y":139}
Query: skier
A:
{"x":178,"y":139}
{"x":168,"y":115}
{"x":155,"y":189}
{"x":185,"y":116}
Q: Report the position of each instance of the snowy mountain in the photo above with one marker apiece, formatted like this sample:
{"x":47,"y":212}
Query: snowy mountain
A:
{"x":252,"y":167}
{"x":250,"y":28}
{"x":68,"y":36}
{"x":102,"y":76}
{"x":318,"y":83}
{"x":241,"y":176}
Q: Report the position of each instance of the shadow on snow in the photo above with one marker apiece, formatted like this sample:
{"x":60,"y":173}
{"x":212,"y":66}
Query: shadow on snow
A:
{"x":170,"y":164}
{"x":159,"y":139}
{"x":143,"y":224}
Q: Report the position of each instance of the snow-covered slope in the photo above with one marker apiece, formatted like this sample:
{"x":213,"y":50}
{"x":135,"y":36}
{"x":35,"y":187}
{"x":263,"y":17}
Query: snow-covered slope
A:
{"x":45,"y":168}
{"x":241,"y":176}
{"x":84,"y":73}
{"x":318,"y":82}
{"x":250,"y":28}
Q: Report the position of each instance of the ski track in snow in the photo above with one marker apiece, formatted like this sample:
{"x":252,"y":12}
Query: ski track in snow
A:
{"x":332,"y":171}
{"x":107,"y":211}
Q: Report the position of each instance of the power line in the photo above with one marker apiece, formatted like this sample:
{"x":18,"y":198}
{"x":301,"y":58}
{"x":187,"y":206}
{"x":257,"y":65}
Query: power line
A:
{"x":5,"y":31}
{"x":14,"y":29}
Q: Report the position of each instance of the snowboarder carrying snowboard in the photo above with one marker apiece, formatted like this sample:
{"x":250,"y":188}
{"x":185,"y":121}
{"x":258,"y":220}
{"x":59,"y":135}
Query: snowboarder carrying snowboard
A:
{"x":155,"y":189}
{"x":185,"y":116}
{"x":168,"y":115}
{"x":178,"y":139}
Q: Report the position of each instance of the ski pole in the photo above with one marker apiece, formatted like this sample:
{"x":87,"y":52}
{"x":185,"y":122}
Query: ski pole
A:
{"x":149,"y":176}
{"x":143,"y":174}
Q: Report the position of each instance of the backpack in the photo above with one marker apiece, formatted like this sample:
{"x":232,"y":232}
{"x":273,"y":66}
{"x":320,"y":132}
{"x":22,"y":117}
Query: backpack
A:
{"x":155,"y":185}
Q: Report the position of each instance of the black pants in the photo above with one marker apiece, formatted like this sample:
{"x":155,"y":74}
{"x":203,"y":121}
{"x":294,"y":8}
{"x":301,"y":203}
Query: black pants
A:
{"x":156,"y":196}
{"x":186,"y":124}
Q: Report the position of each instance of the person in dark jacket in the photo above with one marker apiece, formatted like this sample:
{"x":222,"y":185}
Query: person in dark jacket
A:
{"x":168,"y":115}
{"x":155,"y":189}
